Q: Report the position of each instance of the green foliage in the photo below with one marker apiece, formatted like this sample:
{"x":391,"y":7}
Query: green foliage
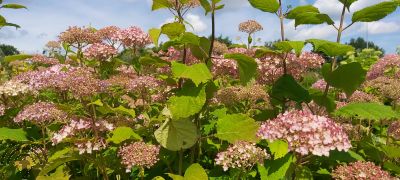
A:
{"x":353,"y":74}
{"x":270,"y":6}
{"x":329,"y":48}
{"x":175,"y":135}
{"x":288,"y":46}
{"x":367,"y":111}
{"x":375,"y":12}
{"x":360,"y":44}
{"x":347,"y":3}
{"x":281,"y":168}
{"x":286,"y":87}
{"x":16,"y":57}
{"x":237,"y":127}
{"x":155,"y":35}
{"x":59,"y":174}
{"x":247,"y":67}
{"x":173,"y":30}
{"x":278,"y":148}
{"x":8,"y":50}
{"x":198,"y":73}
{"x":308,"y":15}
{"x":193,"y":172}
{"x":12,"y":134}
{"x":189,"y":101}
{"x":121,"y":134}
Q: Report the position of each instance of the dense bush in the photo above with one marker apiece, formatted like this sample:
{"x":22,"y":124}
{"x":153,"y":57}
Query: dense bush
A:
{"x":112,"y":103}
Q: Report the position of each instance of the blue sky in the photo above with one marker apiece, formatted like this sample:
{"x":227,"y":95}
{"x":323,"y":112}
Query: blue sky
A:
{"x":45,"y":19}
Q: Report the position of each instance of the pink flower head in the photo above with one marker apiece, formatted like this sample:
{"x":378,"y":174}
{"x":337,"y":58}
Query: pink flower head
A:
{"x":306,"y":133}
{"x":100,"y":51}
{"x":134,"y":37}
{"x":79,"y":36}
{"x":139,"y":154}
{"x":361,"y":171}
{"x":241,"y":155}
{"x":40,"y":113}
{"x":383,"y":65}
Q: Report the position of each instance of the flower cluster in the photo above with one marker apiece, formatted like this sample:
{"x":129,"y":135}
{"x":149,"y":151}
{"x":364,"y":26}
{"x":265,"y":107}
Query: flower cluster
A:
{"x":110,"y":34}
{"x":14,"y":88}
{"x":79,"y":81}
{"x":82,"y":125}
{"x":139,"y":154}
{"x":2,"y":109}
{"x":174,"y":55}
{"x":41,"y":113}
{"x":224,"y":67}
{"x":250,"y":27}
{"x":100,"y":51}
{"x":388,"y":64}
{"x":53,"y":45}
{"x":79,"y":36}
{"x":40,"y":59}
{"x":237,"y":94}
{"x":360,"y":170}
{"x":386,"y":87}
{"x":306,"y":133}
{"x":183,"y":5}
{"x":90,"y":146}
{"x":241,"y":155}
{"x":219,"y":48}
{"x":320,"y":85}
{"x":394,"y":130}
{"x":271,"y":67}
{"x":360,"y":96}
{"x":134,"y":37}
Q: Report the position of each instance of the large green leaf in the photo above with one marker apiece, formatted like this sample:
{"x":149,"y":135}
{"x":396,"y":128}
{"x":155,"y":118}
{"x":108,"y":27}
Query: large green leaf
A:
{"x":195,"y":172}
{"x":50,"y":166}
{"x":286,"y":87}
{"x":292,"y":14}
{"x":270,"y":6}
{"x":325,"y":101}
{"x":154,"y":34}
{"x":13,"y":6}
{"x":153,"y":61}
{"x":367,"y":111}
{"x":278,"y":148}
{"x":2,"y":21}
{"x":347,"y":3}
{"x":187,"y":102}
{"x":288,"y":46}
{"x":330,"y":48}
{"x":173,"y":30}
{"x":247,"y":67}
{"x":375,"y":12}
{"x":175,"y":135}
{"x":206,"y":6}
{"x":348,"y":77}
{"x":200,"y":51}
{"x":12,"y":134}
{"x":313,"y":18}
{"x":59,"y":174}
{"x":237,"y":127}
{"x":121,"y":134}
{"x":282,"y":168}
{"x":160,"y":4}
{"x":198,"y":73}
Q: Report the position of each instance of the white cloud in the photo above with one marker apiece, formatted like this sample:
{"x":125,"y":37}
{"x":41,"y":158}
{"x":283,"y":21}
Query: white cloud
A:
{"x":196,"y":22}
{"x":381,"y":27}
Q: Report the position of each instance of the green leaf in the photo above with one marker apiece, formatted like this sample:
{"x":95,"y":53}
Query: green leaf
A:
{"x":59,"y":154}
{"x":292,"y":14}
{"x":160,"y":4}
{"x":188,"y":102}
{"x":347,"y":3}
{"x":375,"y":12}
{"x":261,"y":52}
{"x":391,"y":167}
{"x":153,"y":61}
{"x":11,"y":25}
{"x":2,"y":21}
{"x":206,"y":6}
{"x":348,"y":77}
{"x":97,"y":103}
{"x":195,"y":172}
{"x":278,"y":169}
{"x":303,"y":173}
{"x":270,"y":6}
{"x":367,"y":111}
{"x":121,"y":134}
{"x":125,"y":111}
{"x":200,"y":51}
{"x":16,"y":57}
{"x":342,"y":156}
{"x":237,"y":127}
{"x":330,"y":48}
{"x":12,"y":134}
{"x":288,"y":46}
{"x":247,"y":67}
{"x":198,"y":73}
{"x":50,"y":166}
{"x":286,"y":87}
{"x":313,"y":18}
{"x":154,"y":34}
{"x":325,"y":101}
{"x":278,"y":148}
{"x":13,"y":6}
{"x":59,"y":174}
{"x":391,"y":151}
{"x":173,"y":30}
{"x":176,"y":135}
{"x":175,"y":177}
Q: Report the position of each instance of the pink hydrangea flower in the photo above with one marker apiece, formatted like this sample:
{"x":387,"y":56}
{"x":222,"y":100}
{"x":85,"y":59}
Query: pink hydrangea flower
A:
{"x":306,"y":133}
{"x":360,"y":171}
{"x":139,"y":154}
{"x":40,"y":113}
{"x":100,"y":51}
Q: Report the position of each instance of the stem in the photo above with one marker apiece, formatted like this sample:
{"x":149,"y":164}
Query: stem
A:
{"x":44,"y":143}
{"x":212,"y":35}
{"x":281,"y":17}
{"x":180,"y":161}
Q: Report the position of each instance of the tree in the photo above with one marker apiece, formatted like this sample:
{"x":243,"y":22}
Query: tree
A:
{"x":8,"y":50}
{"x":359,"y":44}
{"x":226,"y":40}
{"x":398,"y":50}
